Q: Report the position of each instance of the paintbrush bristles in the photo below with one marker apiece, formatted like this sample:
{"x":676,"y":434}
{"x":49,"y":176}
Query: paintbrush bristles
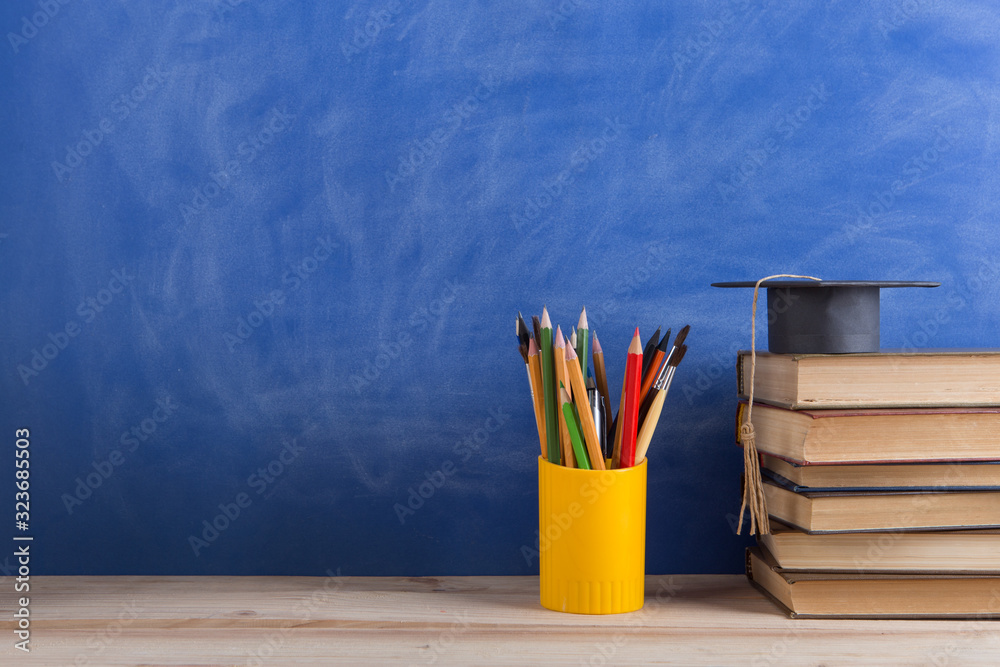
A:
{"x":679,"y":356}
{"x":682,"y":335}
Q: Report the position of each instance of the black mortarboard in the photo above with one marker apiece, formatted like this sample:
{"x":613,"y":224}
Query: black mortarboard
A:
{"x":823,"y":317}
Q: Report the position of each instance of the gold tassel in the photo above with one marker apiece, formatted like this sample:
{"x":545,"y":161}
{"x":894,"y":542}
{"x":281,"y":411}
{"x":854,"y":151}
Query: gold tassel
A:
{"x":753,"y":485}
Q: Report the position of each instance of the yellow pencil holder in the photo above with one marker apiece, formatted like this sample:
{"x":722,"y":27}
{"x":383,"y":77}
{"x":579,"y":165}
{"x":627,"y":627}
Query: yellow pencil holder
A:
{"x":591,"y":538}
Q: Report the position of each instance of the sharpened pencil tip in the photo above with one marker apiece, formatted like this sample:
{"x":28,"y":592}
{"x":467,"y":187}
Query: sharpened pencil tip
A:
{"x":582,"y":324}
{"x":596,"y":344}
{"x":636,"y":346}
{"x":662,"y":347}
{"x":546,"y":322}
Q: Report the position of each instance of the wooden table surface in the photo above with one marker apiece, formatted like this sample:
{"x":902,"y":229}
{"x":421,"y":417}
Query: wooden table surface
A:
{"x":255,"y":621}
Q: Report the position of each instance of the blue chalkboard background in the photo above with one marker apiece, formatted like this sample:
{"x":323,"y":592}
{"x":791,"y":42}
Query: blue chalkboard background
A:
{"x":261,"y":260}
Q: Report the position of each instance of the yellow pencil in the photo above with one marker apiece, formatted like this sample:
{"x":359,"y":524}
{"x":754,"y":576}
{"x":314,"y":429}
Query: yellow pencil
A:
{"x":535,"y":378}
{"x":559,"y":362}
{"x":583,"y":409}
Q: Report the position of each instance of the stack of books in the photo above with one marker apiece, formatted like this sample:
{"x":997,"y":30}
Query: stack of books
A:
{"x":882,"y":481}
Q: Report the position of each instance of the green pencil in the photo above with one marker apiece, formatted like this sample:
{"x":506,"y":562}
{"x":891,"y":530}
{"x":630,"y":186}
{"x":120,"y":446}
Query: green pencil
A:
{"x":574,"y":431}
{"x":549,"y":389}
{"x":582,"y":341}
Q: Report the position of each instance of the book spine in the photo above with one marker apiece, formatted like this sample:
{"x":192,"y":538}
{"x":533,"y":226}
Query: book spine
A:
{"x":740,"y":412}
{"x":739,"y":374}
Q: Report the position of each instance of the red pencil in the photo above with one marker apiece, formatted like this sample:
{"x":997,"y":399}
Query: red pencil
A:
{"x":633,"y":386}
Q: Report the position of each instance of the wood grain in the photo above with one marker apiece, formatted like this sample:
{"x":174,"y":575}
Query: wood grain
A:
{"x":690,"y":620}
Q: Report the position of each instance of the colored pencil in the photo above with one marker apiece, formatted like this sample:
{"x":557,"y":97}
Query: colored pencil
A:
{"x":661,"y":389}
{"x":583,"y":341}
{"x":616,"y":455}
{"x":678,"y":342}
{"x":569,"y":417}
{"x":633,"y":378}
{"x":650,"y":374}
{"x":647,"y":351}
{"x":535,"y":377}
{"x":583,"y":409}
{"x":536,"y":327}
{"x":559,"y":363}
{"x":601,"y":377}
{"x":521,"y":330}
{"x":549,"y":388}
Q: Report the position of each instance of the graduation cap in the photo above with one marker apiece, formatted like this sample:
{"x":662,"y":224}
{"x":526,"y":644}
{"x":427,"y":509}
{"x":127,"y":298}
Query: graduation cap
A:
{"x":823,"y":316}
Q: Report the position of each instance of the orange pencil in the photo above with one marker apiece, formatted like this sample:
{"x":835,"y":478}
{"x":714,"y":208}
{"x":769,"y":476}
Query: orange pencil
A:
{"x":559,"y":362}
{"x":583,"y":409}
{"x":535,"y":378}
{"x":652,"y":372}
{"x":630,"y":417}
